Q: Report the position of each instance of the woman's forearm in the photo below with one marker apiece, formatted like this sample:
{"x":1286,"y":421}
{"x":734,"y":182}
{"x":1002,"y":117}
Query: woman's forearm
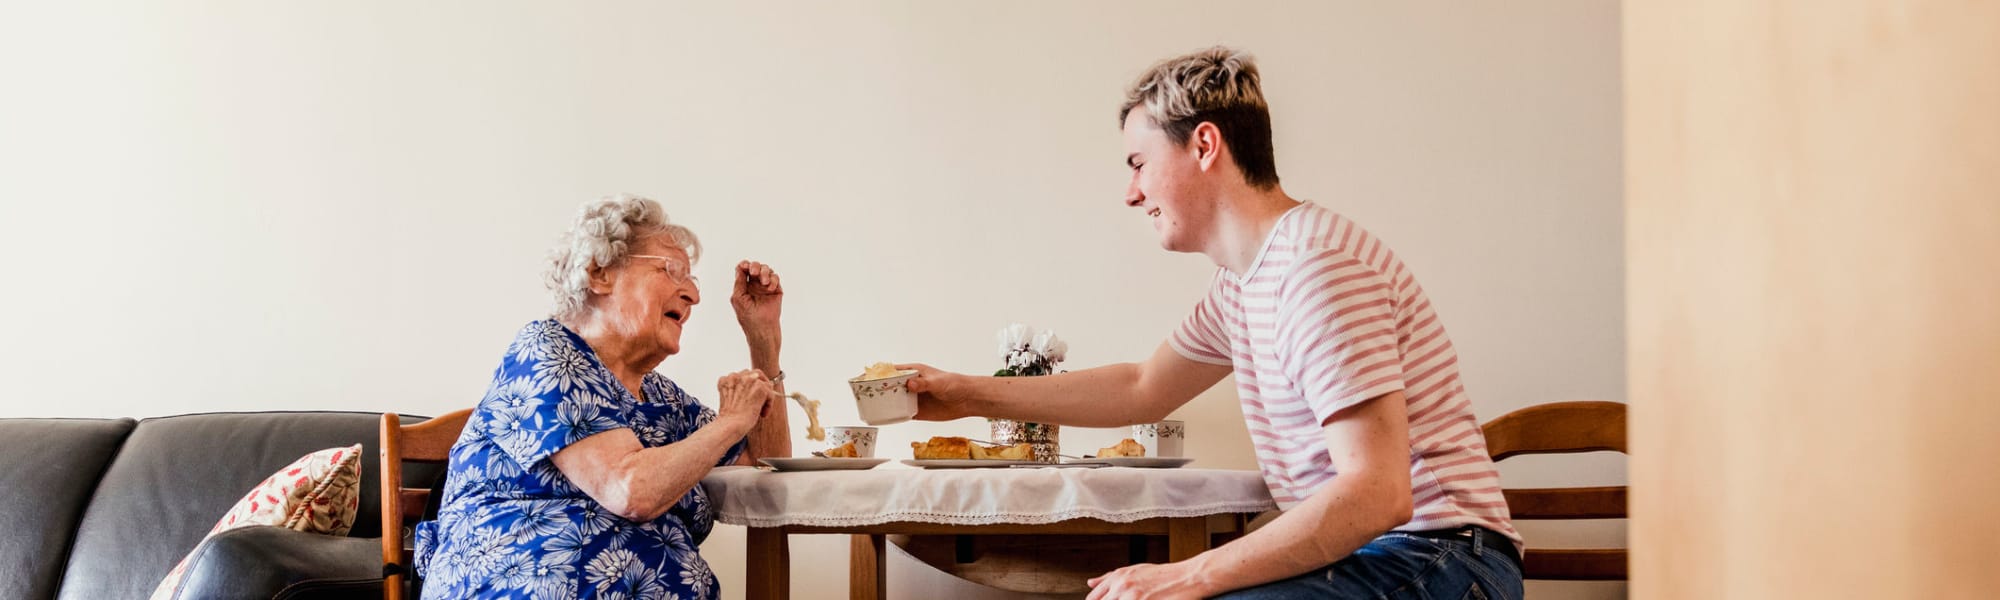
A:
{"x":772,"y":436}
{"x":656,"y":478}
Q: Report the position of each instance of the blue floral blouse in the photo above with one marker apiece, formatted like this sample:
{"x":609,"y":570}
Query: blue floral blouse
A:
{"x":512,"y":526}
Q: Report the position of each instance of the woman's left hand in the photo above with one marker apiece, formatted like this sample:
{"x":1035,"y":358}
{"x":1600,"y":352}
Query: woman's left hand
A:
{"x":758,"y":299}
{"x":1146,"y":582}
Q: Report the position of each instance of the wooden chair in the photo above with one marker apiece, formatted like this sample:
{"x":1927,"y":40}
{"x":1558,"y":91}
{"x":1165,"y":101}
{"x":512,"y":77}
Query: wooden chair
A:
{"x":1561,"y":428}
{"x":426,"y":442}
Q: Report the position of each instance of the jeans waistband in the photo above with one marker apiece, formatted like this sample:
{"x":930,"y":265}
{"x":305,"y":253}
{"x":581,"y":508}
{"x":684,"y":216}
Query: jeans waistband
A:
{"x":1481,"y":536}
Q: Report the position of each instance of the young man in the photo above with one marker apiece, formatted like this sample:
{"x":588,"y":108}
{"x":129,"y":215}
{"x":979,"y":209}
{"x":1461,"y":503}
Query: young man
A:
{"x":1348,"y":382}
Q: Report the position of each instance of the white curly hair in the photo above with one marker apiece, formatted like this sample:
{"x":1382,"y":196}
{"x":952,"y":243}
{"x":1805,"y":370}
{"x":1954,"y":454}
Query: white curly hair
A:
{"x":604,"y":232}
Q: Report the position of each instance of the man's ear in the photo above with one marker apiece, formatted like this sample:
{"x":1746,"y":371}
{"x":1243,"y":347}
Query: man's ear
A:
{"x":600,"y":279}
{"x":1206,"y":141}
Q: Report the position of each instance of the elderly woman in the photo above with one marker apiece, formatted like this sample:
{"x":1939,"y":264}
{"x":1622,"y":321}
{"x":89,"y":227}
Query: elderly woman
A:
{"x":578,"y":475}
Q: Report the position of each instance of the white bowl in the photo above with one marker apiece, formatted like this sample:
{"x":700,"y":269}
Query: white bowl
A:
{"x":885,"y":401}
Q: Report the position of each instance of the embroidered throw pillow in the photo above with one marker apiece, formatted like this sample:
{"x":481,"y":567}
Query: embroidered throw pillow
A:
{"x":319,"y":493}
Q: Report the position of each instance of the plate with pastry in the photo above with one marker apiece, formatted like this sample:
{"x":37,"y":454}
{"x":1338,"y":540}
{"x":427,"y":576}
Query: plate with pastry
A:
{"x":961,"y":453}
{"x":1129,"y":453}
{"x":1143,"y":462}
{"x":814,"y":463}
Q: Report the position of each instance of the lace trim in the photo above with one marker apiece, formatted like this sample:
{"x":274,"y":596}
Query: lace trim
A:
{"x":994,"y":518}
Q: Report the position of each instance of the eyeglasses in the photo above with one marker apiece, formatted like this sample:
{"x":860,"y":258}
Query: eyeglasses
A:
{"x":675,"y":268}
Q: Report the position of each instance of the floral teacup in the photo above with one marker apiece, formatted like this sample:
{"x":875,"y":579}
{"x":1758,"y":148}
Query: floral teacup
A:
{"x":885,"y":401}
{"x":1163,"y":439}
{"x":862,"y":437}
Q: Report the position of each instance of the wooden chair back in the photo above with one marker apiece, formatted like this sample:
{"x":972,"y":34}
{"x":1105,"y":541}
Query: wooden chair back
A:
{"x":426,"y":442}
{"x":1562,"y":428}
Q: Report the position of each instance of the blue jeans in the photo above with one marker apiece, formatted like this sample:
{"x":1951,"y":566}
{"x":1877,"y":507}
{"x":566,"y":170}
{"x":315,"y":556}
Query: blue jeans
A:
{"x":1400,"y":566}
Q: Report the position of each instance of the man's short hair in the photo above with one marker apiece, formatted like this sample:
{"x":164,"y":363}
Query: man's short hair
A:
{"x":1217,"y":85}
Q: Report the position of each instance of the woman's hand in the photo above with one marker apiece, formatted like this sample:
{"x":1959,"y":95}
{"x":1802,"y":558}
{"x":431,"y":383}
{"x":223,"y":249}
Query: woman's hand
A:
{"x":1147,"y":582}
{"x":758,"y":299}
{"x":745,"y":395}
{"x":940,"y":394}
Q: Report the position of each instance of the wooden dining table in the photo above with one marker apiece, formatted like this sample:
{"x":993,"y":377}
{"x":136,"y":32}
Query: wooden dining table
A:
{"x":956,"y":509}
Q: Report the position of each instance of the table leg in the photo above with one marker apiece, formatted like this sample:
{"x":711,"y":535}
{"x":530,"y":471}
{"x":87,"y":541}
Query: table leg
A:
{"x":769,"y":566}
{"x":867,"y":577}
{"x":1186,"y":537}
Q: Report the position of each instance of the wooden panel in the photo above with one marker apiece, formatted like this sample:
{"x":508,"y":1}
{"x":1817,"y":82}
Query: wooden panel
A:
{"x":1567,"y":503}
{"x":867,"y":577}
{"x":1813,"y":263}
{"x":1558,"y":427}
{"x":769,"y":568}
{"x":1574,"y":565}
{"x":1186,"y":537}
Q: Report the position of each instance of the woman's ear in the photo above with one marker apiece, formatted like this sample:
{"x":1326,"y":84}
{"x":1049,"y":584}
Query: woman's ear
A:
{"x":600,"y":280}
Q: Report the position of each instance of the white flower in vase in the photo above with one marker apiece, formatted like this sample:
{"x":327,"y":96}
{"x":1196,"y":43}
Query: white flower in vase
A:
{"x":1013,"y":338}
{"x":1029,"y":352}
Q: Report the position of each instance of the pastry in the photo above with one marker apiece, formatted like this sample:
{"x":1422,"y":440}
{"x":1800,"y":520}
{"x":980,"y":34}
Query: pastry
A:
{"x":1021,"y":451}
{"x":945,"y":448}
{"x":1125,"y":447}
{"x":842,"y":451}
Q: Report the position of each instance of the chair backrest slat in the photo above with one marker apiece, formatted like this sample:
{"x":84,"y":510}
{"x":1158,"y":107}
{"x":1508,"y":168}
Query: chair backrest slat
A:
{"x":1563,"y":428}
{"x":1558,"y":428}
{"x":1576,"y":565}
{"x":1567,"y":503}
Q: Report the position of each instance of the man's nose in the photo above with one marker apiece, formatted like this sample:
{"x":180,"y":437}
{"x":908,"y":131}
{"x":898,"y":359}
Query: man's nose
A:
{"x":1134,"y":197}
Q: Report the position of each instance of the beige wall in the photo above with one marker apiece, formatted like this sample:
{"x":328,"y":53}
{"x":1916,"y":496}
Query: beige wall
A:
{"x":254,"y":205}
{"x":1814,"y":241}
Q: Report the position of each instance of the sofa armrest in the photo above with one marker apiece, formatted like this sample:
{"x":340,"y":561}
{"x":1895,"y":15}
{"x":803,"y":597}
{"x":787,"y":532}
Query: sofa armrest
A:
{"x":263,"y":563}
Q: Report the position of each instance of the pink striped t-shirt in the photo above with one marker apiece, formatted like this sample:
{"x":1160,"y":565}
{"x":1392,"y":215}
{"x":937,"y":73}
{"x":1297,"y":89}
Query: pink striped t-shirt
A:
{"x":1326,"y":318}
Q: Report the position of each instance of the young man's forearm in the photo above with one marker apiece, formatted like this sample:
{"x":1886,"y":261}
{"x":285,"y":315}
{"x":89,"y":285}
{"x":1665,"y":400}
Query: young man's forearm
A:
{"x":1339,"y":519}
{"x":1107,"y":396}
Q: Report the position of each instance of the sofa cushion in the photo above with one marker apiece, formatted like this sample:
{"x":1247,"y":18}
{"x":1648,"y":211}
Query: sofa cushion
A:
{"x":48,"y":468}
{"x":177,"y":475}
{"x":314,"y":494}
{"x":266,"y":563}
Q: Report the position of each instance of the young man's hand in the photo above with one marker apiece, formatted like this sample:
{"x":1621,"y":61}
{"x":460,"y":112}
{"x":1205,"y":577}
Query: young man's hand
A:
{"x":1148,"y":582}
{"x":940,"y":394}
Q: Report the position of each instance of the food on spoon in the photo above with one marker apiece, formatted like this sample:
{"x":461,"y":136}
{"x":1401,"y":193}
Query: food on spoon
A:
{"x":1125,"y":447}
{"x":813,"y":431}
{"x":880,"y":370}
{"x":842,"y":451}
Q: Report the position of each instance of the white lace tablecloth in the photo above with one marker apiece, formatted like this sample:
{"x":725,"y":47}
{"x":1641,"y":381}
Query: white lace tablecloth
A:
{"x":763,"y":498}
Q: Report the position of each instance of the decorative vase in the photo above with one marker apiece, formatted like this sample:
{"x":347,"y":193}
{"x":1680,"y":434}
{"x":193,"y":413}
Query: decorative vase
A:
{"x":1043,"y":438}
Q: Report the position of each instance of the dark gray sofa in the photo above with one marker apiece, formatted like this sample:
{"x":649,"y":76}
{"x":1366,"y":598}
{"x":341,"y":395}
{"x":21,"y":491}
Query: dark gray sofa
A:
{"x":101,"y":509}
